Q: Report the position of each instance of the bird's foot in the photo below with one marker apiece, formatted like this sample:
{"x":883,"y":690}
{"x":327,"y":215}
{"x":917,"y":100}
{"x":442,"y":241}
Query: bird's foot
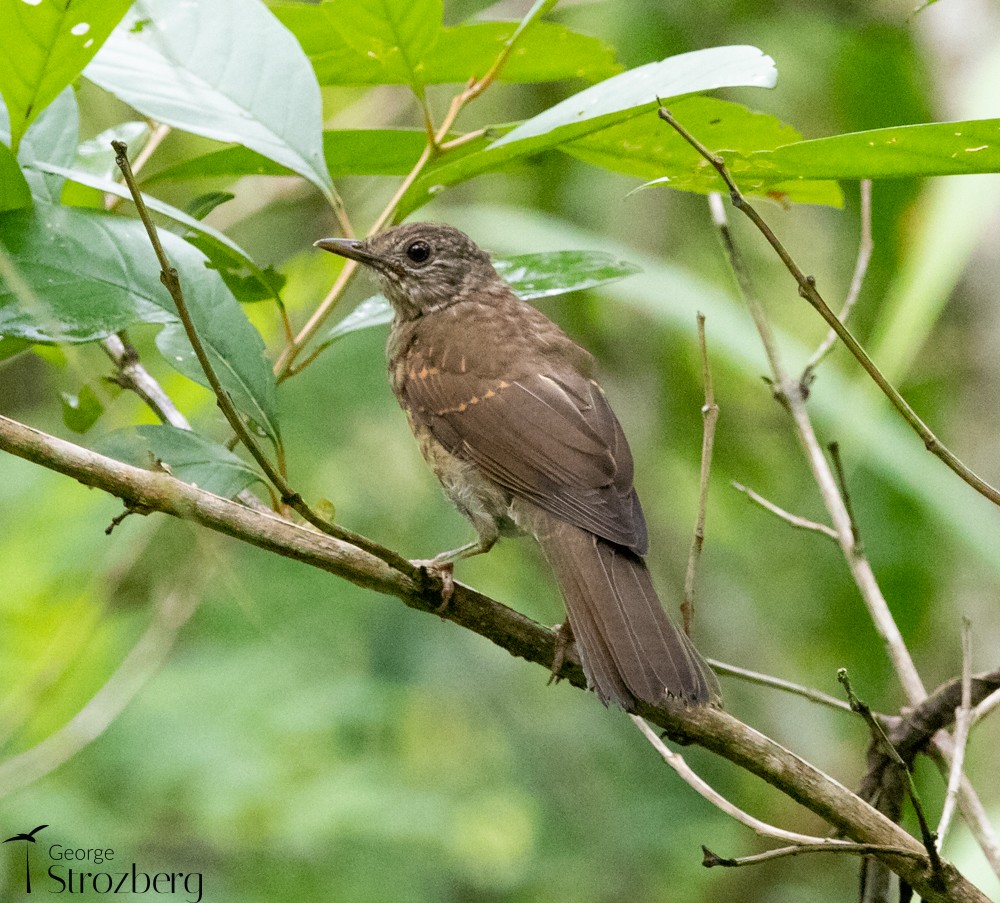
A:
{"x":444,"y":570}
{"x":564,"y":638}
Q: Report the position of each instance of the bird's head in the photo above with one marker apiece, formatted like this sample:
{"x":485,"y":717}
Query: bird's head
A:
{"x":421,"y":267}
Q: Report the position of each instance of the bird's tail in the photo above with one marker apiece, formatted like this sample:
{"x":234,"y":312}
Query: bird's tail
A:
{"x":629,"y":648}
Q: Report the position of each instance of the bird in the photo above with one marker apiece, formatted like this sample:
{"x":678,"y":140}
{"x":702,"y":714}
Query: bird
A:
{"x":507,"y":412}
{"x":28,"y":837}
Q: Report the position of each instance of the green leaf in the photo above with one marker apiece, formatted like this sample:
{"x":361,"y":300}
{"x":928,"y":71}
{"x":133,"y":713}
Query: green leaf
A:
{"x":51,"y":138}
{"x":204,"y":204}
{"x":545,"y":52}
{"x":97,"y":157}
{"x":81,"y":411}
{"x":215,"y":244}
{"x":373,"y":311}
{"x":44,"y":45}
{"x":552,"y":273}
{"x":530,"y":276}
{"x":348,"y":152}
{"x":10,"y":347}
{"x":226,"y":70}
{"x":14,"y":191}
{"x":612,"y":101}
{"x":81,"y":275}
{"x":648,"y":148}
{"x":908,"y":151}
{"x":189,"y":457}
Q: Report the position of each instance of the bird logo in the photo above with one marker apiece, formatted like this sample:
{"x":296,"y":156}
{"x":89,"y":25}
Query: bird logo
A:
{"x":30,"y":838}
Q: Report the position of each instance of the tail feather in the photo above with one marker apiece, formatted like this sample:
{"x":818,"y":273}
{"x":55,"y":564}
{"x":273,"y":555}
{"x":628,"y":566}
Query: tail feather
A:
{"x":629,"y":647}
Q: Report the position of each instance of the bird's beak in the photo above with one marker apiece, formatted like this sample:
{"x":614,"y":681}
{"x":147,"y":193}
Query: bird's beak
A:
{"x":350,"y":248}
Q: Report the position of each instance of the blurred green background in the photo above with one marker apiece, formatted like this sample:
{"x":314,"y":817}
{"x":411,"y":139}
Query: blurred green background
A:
{"x":308,"y":740}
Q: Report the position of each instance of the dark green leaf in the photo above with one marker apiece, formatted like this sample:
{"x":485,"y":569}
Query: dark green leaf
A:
{"x":349,"y":152}
{"x":82,"y":275}
{"x":227,"y":70}
{"x":648,"y":148}
{"x":204,"y":204}
{"x":9,"y":347}
{"x":546,"y":275}
{"x":215,"y":244}
{"x":189,"y":457}
{"x":612,"y":101}
{"x":81,"y":411}
{"x":373,"y":311}
{"x":544,"y":52}
{"x":44,"y":46}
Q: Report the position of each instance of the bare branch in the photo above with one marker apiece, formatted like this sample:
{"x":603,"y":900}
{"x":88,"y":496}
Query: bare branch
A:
{"x":778,"y":683}
{"x":963,"y":721}
{"x":795,"y":520}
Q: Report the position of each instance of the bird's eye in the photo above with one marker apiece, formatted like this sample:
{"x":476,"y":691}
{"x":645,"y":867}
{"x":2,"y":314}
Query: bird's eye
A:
{"x":418,"y":251}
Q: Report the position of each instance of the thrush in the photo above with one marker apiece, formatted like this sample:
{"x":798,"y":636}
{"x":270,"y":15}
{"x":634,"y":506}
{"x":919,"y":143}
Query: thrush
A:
{"x":509,"y":417}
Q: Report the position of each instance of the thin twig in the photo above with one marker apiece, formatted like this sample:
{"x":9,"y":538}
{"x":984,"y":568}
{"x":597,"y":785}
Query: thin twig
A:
{"x":710,"y":416}
{"x":862,"y":708}
{"x":158,"y":131}
{"x":289,"y":497}
{"x":677,"y":763}
{"x":865,"y":246}
{"x":795,"y":520}
{"x":790,"y":393}
{"x":988,"y":705}
{"x":963,"y":721}
{"x":807,"y":289}
{"x":711,"y":859}
{"x":845,"y":494}
{"x":779,"y":683}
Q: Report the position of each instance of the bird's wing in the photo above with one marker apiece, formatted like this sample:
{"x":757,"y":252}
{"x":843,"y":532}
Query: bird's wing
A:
{"x":36,"y":830}
{"x":549,"y":437}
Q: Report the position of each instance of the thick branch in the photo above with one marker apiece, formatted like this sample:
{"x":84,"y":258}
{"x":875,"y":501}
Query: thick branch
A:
{"x":709,"y":727}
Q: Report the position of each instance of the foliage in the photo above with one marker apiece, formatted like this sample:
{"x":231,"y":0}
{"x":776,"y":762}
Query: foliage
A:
{"x":327,"y":730}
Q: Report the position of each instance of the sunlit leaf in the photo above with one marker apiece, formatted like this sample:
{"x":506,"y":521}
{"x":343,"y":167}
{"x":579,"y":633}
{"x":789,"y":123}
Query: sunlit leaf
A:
{"x":226,"y":70}
{"x":544,"y":52}
{"x":648,"y":148}
{"x":14,"y":191}
{"x":614,"y":100}
{"x":44,"y":45}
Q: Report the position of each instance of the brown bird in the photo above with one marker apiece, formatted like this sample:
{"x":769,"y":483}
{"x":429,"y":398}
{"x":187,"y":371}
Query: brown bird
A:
{"x":523,"y":440}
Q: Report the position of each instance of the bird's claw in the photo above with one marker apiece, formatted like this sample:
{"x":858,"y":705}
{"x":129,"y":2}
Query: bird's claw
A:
{"x":564,"y":637}
{"x":445,"y":572}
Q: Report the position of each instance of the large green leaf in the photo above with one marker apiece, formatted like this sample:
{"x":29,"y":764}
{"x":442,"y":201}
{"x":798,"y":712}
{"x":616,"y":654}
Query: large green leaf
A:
{"x":908,"y":151}
{"x":215,"y":238}
{"x":190,"y":457}
{"x":44,"y":45}
{"x":531,"y":276}
{"x":82,"y":275}
{"x":648,"y":148}
{"x":227,"y":70}
{"x":612,"y":101}
{"x":544,"y":52}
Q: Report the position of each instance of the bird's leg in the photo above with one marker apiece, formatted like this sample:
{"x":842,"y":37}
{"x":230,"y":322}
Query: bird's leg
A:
{"x":443,"y":564}
{"x":564,"y":639}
